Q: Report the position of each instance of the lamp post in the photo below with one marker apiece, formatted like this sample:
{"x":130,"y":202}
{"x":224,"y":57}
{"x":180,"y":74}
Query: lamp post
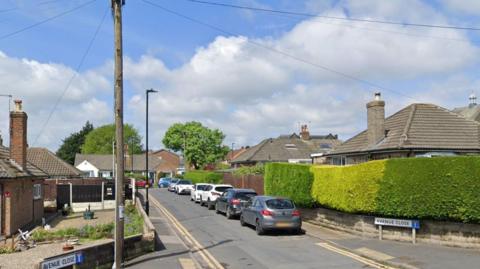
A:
{"x":147,"y":186}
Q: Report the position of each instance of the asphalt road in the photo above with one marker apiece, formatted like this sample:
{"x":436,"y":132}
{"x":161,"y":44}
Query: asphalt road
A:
{"x":240,"y":247}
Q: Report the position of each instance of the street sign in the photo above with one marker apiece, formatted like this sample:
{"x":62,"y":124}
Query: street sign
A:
{"x":63,"y":261}
{"x":415,"y":224}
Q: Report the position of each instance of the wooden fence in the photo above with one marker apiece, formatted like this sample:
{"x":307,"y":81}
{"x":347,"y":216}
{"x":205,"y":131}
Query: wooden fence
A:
{"x":245,"y":182}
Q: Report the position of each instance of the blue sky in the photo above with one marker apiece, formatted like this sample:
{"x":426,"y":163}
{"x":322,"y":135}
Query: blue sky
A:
{"x":223,"y":80}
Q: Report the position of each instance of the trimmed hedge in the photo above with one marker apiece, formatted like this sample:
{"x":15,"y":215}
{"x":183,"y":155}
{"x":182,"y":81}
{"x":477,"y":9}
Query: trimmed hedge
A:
{"x":443,"y":188}
{"x":200,"y":176}
{"x":289,"y":180}
{"x":350,"y":189}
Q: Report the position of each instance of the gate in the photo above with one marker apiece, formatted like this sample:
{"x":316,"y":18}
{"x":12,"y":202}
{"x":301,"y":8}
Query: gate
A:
{"x":63,"y":195}
{"x":87,"y":193}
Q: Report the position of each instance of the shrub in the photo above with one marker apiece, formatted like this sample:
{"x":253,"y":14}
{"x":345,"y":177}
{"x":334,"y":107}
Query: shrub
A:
{"x":258,"y":169}
{"x":199,"y":176}
{"x":350,"y":189}
{"x":289,"y":180}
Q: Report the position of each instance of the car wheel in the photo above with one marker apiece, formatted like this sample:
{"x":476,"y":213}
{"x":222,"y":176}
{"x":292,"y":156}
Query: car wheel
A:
{"x":259,"y":229}
{"x":228,"y":213}
{"x":242,"y":222}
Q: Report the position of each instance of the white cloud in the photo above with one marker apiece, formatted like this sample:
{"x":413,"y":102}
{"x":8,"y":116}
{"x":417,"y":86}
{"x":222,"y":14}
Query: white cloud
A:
{"x":471,"y":7}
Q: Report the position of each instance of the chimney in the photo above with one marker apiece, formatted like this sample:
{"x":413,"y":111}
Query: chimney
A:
{"x":376,"y":120}
{"x":304,"y":133}
{"x":473,"y":100}
{"x":1,"y":139}
{"x":18,"y":135}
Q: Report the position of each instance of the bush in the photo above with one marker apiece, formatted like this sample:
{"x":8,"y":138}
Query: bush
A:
{"x":350,"y":189}
{"x":199,"y":176}
{"x":258,"y":169}
{"x":289,"y":180}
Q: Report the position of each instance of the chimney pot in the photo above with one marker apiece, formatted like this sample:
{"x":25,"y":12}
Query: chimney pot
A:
{"x":18,"y":106}
{"x":378,"y":96}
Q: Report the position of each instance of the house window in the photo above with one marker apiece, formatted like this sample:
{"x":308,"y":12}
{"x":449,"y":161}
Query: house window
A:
{"x":37,"y":191}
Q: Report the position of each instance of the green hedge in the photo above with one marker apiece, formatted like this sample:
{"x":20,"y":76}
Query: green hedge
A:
{"x":199,"y":176}
{"x":444,"y":188}
{"x":289,"y":180}
{"x":350,"y":189}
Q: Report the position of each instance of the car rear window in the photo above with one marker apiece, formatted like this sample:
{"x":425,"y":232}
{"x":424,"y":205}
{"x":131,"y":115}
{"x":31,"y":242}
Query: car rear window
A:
{"x":201,"y":187}
{"x":245,"y":195}
{"x":222,"y":189}
{"x":279,"y":204}
{"x":184,"y":182}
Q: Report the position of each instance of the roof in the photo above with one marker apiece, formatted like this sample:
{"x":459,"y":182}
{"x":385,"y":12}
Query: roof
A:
{"x":104,"y":162}
{"x":9,"y":169}
{"x":471,"y":112}
{"x":48,"y":162}
{"x":287,"y":147}
{"x":235,"y":153}
{"x":419,"y":126}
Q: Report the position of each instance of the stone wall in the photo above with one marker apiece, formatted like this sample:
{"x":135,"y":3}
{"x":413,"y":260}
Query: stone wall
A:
{"x":433,"y":232}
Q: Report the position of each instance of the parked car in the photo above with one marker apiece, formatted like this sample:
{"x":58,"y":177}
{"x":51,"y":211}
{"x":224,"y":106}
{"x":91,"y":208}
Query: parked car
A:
{"x":140,"y":183}
{"x":164,"y":182}
{"x":173,"y":182}
{"x":183,"y":187}
{"x":232,"y":201}
{"x":211,"y":193}
{"x":271,"y":213}
{"x":195,"y":194}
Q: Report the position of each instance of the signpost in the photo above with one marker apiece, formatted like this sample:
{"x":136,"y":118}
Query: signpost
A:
{"x":63,"y":261}
{"x":413,"y":224}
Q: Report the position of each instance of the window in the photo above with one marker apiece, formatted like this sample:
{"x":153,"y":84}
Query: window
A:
{"x":37,"y":191}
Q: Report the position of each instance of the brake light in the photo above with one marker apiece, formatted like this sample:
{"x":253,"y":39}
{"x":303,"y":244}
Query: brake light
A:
{"x":235,"y":202}
{"x":296,"y":213}
{"x":266,"y":213}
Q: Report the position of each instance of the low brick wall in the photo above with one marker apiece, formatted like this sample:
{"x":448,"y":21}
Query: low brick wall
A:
{"x":433,"y":232}
{"x":245,"y":182}
{"x":102,"y":255}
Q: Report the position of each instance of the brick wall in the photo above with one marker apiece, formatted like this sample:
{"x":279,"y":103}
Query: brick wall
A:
{"x":18,"y":138}
{"x":245,"y":182}
{"x":20,"y":209}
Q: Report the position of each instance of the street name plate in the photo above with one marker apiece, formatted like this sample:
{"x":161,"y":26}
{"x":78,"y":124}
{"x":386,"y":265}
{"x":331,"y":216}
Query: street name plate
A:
{"x":63,"y":261}
{"x":398,"y":223}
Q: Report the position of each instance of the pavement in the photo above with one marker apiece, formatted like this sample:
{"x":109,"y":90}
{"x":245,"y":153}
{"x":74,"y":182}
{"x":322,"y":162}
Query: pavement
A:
{"x":193,"y":237}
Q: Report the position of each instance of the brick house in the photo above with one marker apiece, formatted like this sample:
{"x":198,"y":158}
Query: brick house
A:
{"x":21,"y":182}
{"x":418,"y":130}
{"x":170,"y":162}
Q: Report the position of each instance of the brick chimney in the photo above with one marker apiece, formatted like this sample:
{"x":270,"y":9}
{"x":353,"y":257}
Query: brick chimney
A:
{"x":18,"y":135}
{"x":376,"y":120}
{"x":304,"y":133}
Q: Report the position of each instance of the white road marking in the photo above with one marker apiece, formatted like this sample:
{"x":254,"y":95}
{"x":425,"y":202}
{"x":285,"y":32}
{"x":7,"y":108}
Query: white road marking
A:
{"x":354,"y":256}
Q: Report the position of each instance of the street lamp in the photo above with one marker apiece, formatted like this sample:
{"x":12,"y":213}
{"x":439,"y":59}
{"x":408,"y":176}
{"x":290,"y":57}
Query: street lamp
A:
{"x":147,"y":186}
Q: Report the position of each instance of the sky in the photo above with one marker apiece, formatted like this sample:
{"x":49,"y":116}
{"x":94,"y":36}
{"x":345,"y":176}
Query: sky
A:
{"x":251,"y":74}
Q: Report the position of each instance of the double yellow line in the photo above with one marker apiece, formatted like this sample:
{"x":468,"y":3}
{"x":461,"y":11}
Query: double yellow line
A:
{"x":354,"y":256}
{"x":190,"y":240}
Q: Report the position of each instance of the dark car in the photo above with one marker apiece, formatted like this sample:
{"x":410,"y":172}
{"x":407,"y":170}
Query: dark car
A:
{"x":233,"y":200}
{"x":271,"y":213}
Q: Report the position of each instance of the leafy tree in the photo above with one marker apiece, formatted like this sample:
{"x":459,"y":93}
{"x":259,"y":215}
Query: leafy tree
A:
{"x":99,"y":141}
{"x":73,"y":144}
{"x":199,"y":144}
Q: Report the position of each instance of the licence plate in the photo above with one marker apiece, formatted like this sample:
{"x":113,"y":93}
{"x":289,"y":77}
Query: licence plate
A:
{"x":283,"y":224}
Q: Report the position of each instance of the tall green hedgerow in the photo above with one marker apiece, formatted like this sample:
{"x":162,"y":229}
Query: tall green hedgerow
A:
{"x":434,"y":188}
{"x":289,"y":180}
{"x":350,"y":189}
{"x":199,"y":176}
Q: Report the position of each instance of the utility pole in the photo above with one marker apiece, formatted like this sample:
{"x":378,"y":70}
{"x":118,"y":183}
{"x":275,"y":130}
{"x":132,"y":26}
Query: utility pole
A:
{"x":120,"y":168}
{"x":147,"y":186}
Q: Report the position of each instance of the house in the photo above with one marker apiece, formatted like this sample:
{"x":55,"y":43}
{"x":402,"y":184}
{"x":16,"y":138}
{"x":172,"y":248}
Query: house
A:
{"x":21,"y":192}
{"x":418,"y":130}
{"x":101,"y":165}
{"x":170,"y":162}
{"x":287,"y":148}
{"x":233,"y":154}
{"x":472,"y":111}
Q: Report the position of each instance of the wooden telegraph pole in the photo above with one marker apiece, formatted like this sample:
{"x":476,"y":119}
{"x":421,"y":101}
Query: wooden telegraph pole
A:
{"x":120,"y":168}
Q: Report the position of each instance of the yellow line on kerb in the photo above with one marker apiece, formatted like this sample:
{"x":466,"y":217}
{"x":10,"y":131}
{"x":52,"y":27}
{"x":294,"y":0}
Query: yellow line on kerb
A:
{"x":354,"y":256}
{"x":197,"y":247}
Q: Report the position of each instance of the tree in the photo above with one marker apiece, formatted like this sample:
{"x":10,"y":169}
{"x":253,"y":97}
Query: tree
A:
{"x":72,"y":144}
{"x":99,"y":141}
{"x":199,"y":144}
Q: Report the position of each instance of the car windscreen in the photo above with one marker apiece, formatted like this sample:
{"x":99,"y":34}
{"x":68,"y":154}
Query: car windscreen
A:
{"x":175,"y":181}
{"x":279,"y":204}
{"x":222,"y":189}
{"x":184,"y":182}
{"x":245,"y":195}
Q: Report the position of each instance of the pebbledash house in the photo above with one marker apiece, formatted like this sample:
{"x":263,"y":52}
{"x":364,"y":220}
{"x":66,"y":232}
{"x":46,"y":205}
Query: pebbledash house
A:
{"x":21,"y":190}
{"x":418,"y":130}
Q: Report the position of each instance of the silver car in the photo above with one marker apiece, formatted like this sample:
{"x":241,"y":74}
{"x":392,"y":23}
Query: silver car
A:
{"x":173,"y":183}
{"x":271,"y":213}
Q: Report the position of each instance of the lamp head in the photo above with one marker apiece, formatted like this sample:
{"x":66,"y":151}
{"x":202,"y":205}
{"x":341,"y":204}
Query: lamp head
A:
{"x":150,"y":91}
